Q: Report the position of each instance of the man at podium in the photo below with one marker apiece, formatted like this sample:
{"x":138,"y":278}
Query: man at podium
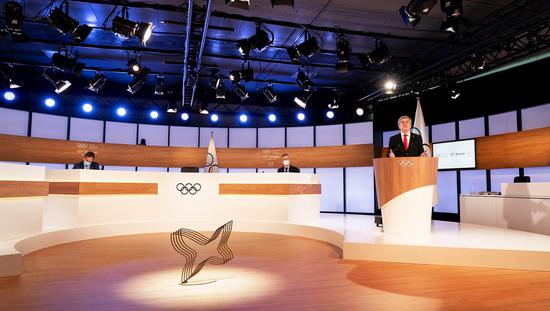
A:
{"x":406,"y":143}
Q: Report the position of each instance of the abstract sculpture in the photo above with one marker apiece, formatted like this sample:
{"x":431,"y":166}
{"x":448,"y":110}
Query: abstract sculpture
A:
{"x":177,"y":238}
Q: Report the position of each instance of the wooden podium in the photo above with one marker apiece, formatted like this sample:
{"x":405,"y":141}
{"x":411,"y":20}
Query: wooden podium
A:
{"x":406,"y":190}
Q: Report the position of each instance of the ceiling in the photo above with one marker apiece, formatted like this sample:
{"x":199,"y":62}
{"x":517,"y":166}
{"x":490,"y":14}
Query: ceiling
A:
{"x":360,"y":21}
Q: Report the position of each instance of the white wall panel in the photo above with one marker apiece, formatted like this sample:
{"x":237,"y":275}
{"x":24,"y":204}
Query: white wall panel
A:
{"x":360,"y":189}
{"x":446,"y":188}
{"x":443,"y":132}
{"x":329,"y":135}
{"x":503,"y":123}
{"x":49,"y":126}
{"x":155,"y":135}
{"x":183,"y":136}
{"x":332,"y":189}
{"x":471,"y":128}
{"x":220,"y":136}
{"x":359,"y":133}
{"x":538,"y":174}
{"x":301,"y":136}
{"x":86,"y":130}
{"x":472,"y":181}
{"x":120,"y":133}
{"x":271,"y":137}
{"x":504,"y":175}
{"x":13,"y":122}
{"x":535,"y":117}
{"x":242,"y":138}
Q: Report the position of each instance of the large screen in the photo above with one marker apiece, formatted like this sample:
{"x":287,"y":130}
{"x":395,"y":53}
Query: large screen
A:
{"x":456,"y":154}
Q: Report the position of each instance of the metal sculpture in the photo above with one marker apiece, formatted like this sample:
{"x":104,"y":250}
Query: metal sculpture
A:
{"x":177,"y":238}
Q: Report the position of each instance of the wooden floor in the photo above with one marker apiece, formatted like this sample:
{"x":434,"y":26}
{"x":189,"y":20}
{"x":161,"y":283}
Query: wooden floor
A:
{"x":269,"y":272}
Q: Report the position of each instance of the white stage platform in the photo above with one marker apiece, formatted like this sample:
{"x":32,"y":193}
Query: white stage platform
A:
{"x":358,"y":237}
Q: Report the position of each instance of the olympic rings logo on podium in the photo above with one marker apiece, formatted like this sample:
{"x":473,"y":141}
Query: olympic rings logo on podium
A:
{"x":188,"y":188}
{"x":405,"y":163}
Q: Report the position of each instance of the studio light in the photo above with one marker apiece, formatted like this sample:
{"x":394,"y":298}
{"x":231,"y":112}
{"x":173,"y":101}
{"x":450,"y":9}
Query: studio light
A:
{"x":185,"y":116}
{"x":303,"y":81}
{"x":154,"y":114}
{"x":302,"y":100}
{"x":282,"y":2}
{"x":342,"y":54}
{"x":335,"y":103}
{"x":97,"y":82}
{"x":66,"y":63}
{"x":87,"y":108}
{"x":49,"y":102}
{"x":478,"y":62}
{"x":66,"y":24}
{"x":359,"y":111}
{"x":220,"y":90}
{"x":301,"y":116}
{"x":309,"y":47}
{"x":240,"y":91}
{"x":243,"y":118}
{"x":140,"y":76}
{"x":59,"y":85}
{"x":270,"y":93}
{"x":241,"y":4}
{"x":454,"y":93}
{"x":330,"y":114}
{"x":14,"y":16}
{"x":215,"y":79}
{"x":246,"y":74}
{"x":214,"y":118}
{"x":411,"y":13}
{"x":160,"y":85}
{"x":128,"y":29}
{"x":121,"y":111}
{"x":135,"y":85}
{"x":454,"y":20}
{"x":272,"y":117}
{"x":390,"y":86}
{"x":9,"y":96}
{"x":259,"y":41}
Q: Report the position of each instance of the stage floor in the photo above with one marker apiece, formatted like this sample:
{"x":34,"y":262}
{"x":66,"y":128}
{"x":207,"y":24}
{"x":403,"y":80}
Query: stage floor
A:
{"x":449,"y":243}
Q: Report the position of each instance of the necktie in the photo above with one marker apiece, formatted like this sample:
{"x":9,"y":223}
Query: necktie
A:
{"x":405,"y":141}
{"x":286,"y":169}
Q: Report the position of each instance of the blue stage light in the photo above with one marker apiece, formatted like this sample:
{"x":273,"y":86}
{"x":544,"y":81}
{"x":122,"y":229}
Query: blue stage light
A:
{"x":301,"y":116}
{"x":214,"y":117}
{"x":272,"y":117}
{"x":121,"y":111}
{"x":243,"y":118}
{"x":154,"y":114}
{"x":185,"y":116}
{"x":87,"y":108}
{"x":330,"y":114}
{"x":49,"y":102}
{"x":9,"y":96}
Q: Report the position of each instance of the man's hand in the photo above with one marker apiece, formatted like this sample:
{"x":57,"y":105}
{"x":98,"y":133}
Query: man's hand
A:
{"x":424,"y":154}
{"x":391,"y":154}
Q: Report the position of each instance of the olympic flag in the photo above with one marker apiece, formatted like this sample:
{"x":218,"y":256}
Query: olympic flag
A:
{"x":420,"y":126}
{"x":211,"y":165}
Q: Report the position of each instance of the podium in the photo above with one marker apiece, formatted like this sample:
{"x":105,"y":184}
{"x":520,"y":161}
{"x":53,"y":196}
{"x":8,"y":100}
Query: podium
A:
{"x":406,"y":191}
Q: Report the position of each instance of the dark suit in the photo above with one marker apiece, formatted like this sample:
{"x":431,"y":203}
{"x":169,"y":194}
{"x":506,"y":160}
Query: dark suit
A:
{"x":291,"y":169}
{"x":80,"y":166}
{"x":415,"y":148}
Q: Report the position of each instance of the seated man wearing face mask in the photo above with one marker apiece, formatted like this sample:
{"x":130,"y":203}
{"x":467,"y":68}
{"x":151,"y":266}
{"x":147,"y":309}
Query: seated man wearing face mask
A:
{"x":88,"y":162}
{"x":287,"y":168}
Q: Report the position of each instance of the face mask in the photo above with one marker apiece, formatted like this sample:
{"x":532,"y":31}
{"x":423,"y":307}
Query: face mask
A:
{"x":87,"y":162}
{"x":286,"y":162}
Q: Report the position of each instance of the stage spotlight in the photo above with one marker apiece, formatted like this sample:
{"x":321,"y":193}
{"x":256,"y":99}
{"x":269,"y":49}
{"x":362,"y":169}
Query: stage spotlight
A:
{"x":154,"y":114}
{"x":64,"y":62}
{"x":235,"y":76}
{"x":293,"y":54}
{"x":9,"y":96}
{"x":49,"y":102}
{"x":172,"y":107}
{"x":185,"y":116}
{"x":135,"y":85}
{"x":259,"y":41}
{"x":66,"y":24}
{"x":454,"y":20}
{"x":214,"y":118}
{"x":302,"y":100}
{"x":454,"y":93}
{"x":59,"y":85}
{"x":303,"y":81}
{"x":243,"y":118}
{"x":411,"y":13}
{"x":241,"y":4}
{"x":342,"y":54}
{"x":97,"y":82}
{"x":87,"y":108}
{"x":270,"y":93}
{"x":478,"y":62}
{"x":330,"y":114}
{"x":282,"y":2}
{"x":380,"y":54}
{"x":160,"y":85}
{"x":203,"y":108}
{"x":359,"y":111}
{"x":13,"y":79}
{"x":134,"y":67}
{"x":309,"y":47}
{"x":390,"y":86}
{"x":301,"y":116}
{"x":215,"y":79}
{"x":220,"y":91}
{"x":272,"y":117}
{"x":14,"y":16}
{"x":240,"y":91}
{"x":121,"y":111}
{"x":335,"y":104}
{"x":128,"y":29}
{"x":246,"y":74}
